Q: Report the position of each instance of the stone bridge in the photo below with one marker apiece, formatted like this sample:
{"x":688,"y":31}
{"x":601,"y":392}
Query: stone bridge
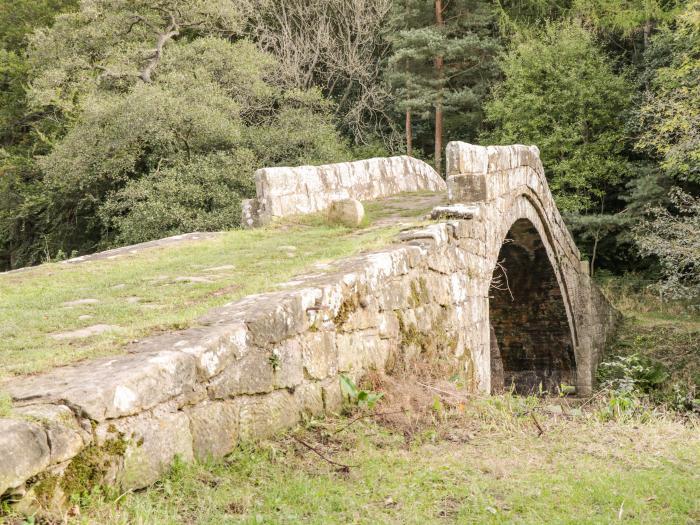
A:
{"x":493,"y":288}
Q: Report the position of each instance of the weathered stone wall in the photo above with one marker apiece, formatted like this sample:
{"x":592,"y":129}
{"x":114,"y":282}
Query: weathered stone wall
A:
{"x":257,"y":365}
{"x":252,"y":368}
{"x":309,"y":189}
{"x":507,"y":184}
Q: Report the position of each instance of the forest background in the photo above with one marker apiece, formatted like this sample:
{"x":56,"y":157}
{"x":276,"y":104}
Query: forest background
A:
{"x":123,"y":121}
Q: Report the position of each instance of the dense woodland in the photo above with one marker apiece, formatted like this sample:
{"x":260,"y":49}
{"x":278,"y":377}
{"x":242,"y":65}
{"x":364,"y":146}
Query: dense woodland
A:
{"x":127,"y":120}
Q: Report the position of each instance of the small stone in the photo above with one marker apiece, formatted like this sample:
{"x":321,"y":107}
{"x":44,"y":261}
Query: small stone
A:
{"x":133,"y":300}
{"x":80,"y":302}
{"x":85,"y":332}
{"x":223,"y":268}
{"x":85,"y":317}
{"x":192,"y":279}
{"x":348,"y":212}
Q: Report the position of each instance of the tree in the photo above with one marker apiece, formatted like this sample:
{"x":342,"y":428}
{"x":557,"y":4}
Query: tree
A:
{"x":443,"y":64}
{"x":338,"y":46}
{"x":164,"y":114}
{"x":631,"y":18}
{"x":670,"y":115}
{"x":22,"y":200}
{"x":561,"y":93}
{"x":673,"y":236}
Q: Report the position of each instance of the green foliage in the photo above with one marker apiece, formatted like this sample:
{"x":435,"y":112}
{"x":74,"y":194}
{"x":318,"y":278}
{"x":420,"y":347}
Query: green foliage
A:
{"x":139,"y":145}
{"x":674,"y":238}
{"x":630,"y":373}
{"x":356,"y":396}
{"x":628,"y":17}
{"x":199,"y":194}
{"x":561,"y":93}
{"x":19,"y":18}
{"x":670,"y":115}
{"x":468,"y":45}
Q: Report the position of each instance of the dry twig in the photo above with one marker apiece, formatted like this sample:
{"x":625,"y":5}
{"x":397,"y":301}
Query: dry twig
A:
{"x":341,"y":466}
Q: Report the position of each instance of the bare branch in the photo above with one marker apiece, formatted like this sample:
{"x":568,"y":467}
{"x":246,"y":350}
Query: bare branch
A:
{"x":162,"y":38}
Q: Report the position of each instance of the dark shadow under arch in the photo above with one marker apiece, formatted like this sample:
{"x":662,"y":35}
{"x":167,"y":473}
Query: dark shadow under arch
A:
{"x":531,"y":344}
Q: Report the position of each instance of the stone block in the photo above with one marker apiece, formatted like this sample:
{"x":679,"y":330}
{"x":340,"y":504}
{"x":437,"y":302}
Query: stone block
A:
{"x":112,"y":387}
{"x":288,"y":364}
{"x":277,"y":317}
{"x":264,"y":415}
{"x":214,"y":428}
{"x":332,"y":394}
{"x":309,"y":398}
{"x":152,"y":440}
{"x":24,"y":452}
{"x":252,"y":374}
{"x":348,"y":212}
{"x":66,"y":436}
{"x":467,"y":188}
{"x":319,"y":354}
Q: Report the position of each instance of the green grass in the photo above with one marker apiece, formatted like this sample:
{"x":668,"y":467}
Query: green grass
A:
{"x":496,"y":471}
{"x":141,"y":295}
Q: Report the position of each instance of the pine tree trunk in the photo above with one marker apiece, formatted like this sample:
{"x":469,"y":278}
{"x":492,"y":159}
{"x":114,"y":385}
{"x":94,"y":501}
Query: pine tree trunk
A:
{"x":439,"y":70}
{"x":648,"y":25}
{"x":409,"y":134}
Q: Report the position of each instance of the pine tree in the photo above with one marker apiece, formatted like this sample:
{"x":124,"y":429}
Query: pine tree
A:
{"x":443,"y":64}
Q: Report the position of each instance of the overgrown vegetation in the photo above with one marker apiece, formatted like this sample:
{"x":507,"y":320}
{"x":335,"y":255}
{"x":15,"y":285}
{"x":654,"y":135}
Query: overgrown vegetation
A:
{"x":655,"y":360}
{"x":457,"y":466}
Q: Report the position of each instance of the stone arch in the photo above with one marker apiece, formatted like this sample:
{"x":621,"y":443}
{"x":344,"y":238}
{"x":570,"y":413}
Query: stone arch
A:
{"x":531,"y":329}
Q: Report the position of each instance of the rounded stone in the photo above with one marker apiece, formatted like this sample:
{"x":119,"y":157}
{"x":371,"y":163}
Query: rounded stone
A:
{"x":348,"y":212}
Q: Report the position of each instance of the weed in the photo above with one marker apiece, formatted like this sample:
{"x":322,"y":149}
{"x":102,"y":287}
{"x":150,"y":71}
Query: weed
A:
{"x":358,"y":397}
{"x":274,"y":361}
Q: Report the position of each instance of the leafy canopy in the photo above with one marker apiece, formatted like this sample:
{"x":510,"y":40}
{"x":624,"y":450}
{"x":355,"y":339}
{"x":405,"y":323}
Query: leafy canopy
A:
{"x":670,"y":116}
{"x":167,"y":114}
{"x":561,"y":93}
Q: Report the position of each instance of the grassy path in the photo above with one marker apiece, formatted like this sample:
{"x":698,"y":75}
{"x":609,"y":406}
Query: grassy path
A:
{"x":168,"y":288}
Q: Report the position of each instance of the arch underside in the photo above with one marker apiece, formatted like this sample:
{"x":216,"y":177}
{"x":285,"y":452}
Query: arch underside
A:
{"x":532,"y":347}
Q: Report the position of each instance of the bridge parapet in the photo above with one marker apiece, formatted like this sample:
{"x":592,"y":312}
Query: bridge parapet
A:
{"x":285,"y":191}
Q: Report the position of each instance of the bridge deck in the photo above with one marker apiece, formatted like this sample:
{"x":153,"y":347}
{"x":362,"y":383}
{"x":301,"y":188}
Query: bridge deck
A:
{"x":59,"y":313}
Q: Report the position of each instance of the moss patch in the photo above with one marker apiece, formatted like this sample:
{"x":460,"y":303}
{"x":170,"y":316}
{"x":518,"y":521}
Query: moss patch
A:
{"x":44,"y":487}
{"x":349,"y":305}
{"x":87,"y":469}
{"x":436,"y":348}
{"x":419,"y":292}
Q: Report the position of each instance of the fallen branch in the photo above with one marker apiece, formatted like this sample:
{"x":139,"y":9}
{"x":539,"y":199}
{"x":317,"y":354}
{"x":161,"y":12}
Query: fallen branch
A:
{"x":364,"y":416}
{"x":341,"y":466}
{"x":540,"y":430}
{"x":447,"y":393}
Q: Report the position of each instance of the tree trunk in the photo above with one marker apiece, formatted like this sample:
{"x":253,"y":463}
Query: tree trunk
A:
{"x":409,"y":134}
{"x":648,"y":26}
{"x":439,"y":71}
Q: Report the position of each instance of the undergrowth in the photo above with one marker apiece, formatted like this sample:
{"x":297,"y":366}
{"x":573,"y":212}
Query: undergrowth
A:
{"x":654,"y":362}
